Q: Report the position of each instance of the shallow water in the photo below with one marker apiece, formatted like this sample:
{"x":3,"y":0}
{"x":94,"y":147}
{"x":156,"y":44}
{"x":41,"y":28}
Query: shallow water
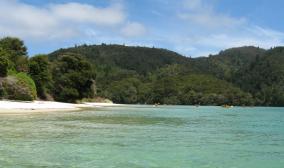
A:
{"x":143,"y":136}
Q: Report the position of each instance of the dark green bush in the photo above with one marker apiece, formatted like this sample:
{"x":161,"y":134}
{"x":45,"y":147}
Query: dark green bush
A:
{"x":39,"y":72}
{"x":3,"y":64}
{"x":73,"y":78}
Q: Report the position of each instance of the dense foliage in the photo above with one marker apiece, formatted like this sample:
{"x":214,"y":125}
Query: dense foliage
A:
{"x":68,"y":78}
{"x":15,"y":83}
{"x":73,"y":78}
{"x":16,"y":53}
{"x":4,"y":63}
{"x":150,"y":75}
{"x":139,"y":59}
{"x":265,"y":78}
{"x":238,"y":76}
{"x":39,"y":70}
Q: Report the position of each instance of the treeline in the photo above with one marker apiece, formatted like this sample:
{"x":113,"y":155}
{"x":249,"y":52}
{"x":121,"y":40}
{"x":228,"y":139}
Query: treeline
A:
{"x":67,"y":79}
{"x":254,"y":70}
{"x":243,"y":76}
{"x":237,"y":76}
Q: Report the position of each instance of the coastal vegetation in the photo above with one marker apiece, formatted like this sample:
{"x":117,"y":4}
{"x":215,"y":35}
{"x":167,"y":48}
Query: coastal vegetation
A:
{"x":244,"y":76}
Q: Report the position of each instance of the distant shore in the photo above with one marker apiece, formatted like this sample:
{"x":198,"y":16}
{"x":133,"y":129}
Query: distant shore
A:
{"x":7,"y":106}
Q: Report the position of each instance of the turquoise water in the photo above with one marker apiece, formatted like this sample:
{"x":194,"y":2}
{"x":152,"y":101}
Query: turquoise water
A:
{"x":143,"y":136}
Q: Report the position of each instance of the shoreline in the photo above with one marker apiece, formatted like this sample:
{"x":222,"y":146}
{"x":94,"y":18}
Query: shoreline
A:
{"x":27,"y":107}
{"x":22,"y":107}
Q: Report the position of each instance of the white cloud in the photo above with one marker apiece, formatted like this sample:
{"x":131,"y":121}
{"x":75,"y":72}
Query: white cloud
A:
{"x":226,"y":41}
{"x":196,"y":29}
{"x":17,"y":19}
{"x":203,"y":14}
{"x":212,"y":43}
{"x":133,"y":29}
{"x":157,"y":13}
{"x":196,"y":5}
{"x":211,"y":20}
{"x":84,"y":13}
{"x":208,"y":31}
{"x":56,"y":21}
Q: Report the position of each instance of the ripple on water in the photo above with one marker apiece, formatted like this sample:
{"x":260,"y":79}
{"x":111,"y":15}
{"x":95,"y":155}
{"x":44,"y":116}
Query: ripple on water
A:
{"x":143,"y":136}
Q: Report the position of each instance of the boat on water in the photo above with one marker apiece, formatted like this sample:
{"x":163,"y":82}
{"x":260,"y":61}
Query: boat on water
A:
{"x":227,"y":106}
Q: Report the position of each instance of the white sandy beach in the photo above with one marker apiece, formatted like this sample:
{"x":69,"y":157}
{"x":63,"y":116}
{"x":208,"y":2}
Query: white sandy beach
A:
{"x":45,"y":106}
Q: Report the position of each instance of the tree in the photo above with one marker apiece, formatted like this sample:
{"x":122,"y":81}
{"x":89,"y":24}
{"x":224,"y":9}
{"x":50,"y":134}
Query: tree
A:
{"x":39,"y":71}
{"x":16,"y":52}
{"x":125,"y":91}
{"x":73,"y":78}
{"x":4,"y":63}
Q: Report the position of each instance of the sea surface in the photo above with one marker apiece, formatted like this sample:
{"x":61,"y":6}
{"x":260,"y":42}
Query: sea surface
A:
{"x":145,"y":137}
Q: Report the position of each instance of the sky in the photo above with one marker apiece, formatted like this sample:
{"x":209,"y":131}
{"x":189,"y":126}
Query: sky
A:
{"x":190,"y":27}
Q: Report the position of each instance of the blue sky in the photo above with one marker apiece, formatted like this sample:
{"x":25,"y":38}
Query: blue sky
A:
{"x":190,"y":27}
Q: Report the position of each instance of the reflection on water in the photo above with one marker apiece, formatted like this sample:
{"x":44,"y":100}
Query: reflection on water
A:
{"x":143,"y":136}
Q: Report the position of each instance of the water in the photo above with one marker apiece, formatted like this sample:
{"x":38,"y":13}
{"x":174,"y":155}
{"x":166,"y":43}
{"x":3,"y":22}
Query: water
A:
{"x":143,"y":136}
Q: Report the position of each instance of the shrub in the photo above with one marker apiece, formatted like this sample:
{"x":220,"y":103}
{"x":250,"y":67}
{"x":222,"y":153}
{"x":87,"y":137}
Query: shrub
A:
{"x":28,"y":82}
{"x":19,"y":87}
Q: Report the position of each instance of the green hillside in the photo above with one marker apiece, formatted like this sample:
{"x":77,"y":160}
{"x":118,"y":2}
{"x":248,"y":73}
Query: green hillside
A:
{"x":233,"y":75}
{"x":140,"y":59}
{"x":264,"y":78}
{"x":225,"y":64}
{"x":237,"y":76}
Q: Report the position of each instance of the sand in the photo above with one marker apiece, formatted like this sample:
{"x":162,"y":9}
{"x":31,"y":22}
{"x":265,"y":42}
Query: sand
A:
{"x":44,"y":106}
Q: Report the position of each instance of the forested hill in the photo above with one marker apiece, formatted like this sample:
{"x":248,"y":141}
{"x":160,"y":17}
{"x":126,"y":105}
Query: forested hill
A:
{"x":225,"y":64}
{"x":239,"y":76}
{"x":244,"y":76}
{"x":140,"y":59}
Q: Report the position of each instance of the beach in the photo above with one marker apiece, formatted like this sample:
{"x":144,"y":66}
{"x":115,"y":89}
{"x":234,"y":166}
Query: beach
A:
{"x":8,"y":106}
